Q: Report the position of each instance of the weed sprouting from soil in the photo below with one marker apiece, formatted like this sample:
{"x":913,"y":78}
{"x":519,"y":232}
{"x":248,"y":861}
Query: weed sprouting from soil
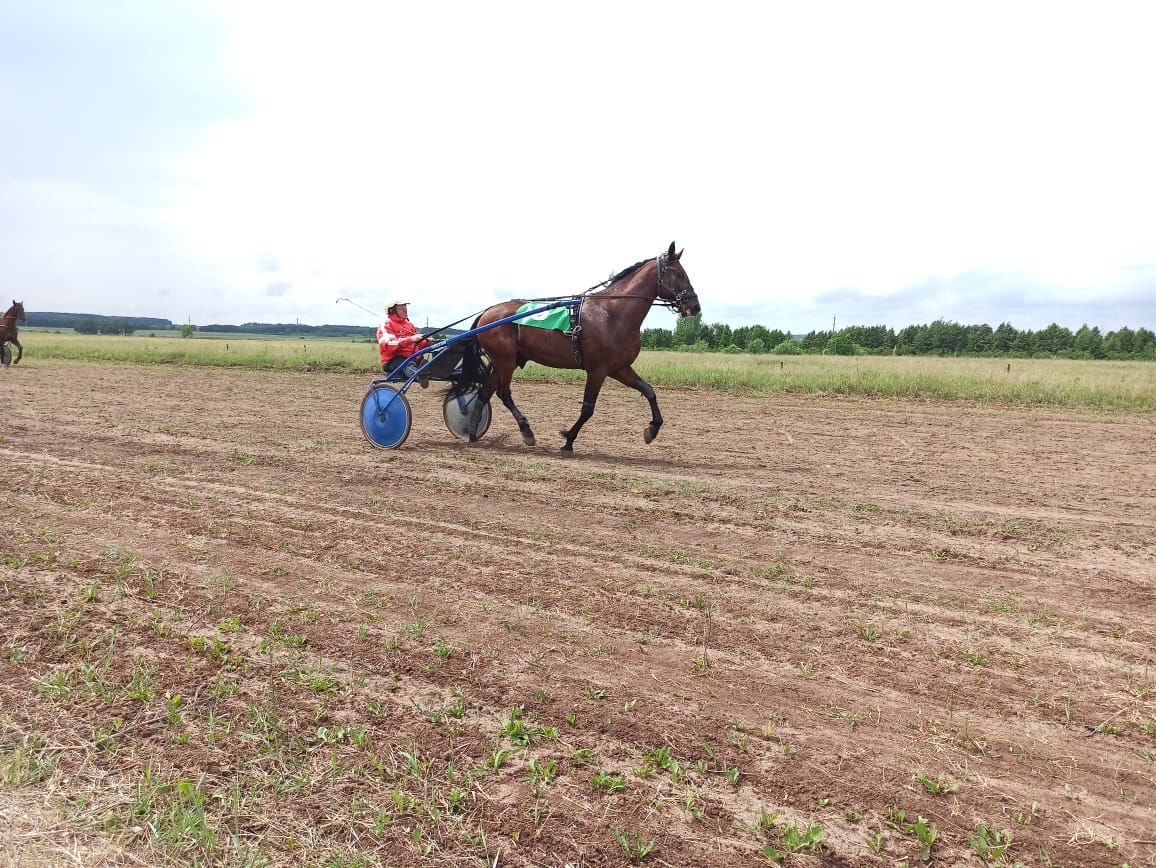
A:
{"x":790,"y":839}
{"x":990,"y":843}
{"x":634,"y":844}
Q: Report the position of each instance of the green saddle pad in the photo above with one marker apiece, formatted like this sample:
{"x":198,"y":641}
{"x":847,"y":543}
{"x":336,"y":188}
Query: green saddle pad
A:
{"x":557,"y":318}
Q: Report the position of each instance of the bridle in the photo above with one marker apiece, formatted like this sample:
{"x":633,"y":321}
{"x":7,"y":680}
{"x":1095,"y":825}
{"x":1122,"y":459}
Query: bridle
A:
{"x":679,"y":298}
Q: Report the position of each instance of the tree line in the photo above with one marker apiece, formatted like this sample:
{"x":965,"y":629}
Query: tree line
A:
{"x":93,"y":324}
{"x":691,"y":334}
{"x":940,"y":338}
{"x":105,"y":325}
{"x":100,"y":324}
{"x":292,"y":329}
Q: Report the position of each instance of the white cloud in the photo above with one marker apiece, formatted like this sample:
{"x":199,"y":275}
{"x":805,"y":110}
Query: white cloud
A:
{"x":463,"y":152}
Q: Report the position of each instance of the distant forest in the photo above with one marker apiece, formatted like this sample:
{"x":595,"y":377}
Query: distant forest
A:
{"x":321,"y":331}
{"x":940,"y":338}
{"x":691,"y":334}
{"x":94,"y":324}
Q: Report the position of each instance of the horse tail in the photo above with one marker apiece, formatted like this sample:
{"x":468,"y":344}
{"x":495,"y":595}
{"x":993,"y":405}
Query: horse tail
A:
{"x":475,"y":370}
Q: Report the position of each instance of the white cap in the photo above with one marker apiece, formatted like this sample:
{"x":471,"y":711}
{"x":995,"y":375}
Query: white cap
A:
{"x":393,"y":303}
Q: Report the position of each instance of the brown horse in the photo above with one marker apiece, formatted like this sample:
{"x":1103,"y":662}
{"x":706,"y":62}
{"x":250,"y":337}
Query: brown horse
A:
{"x":607,"y":341}
{"x":8,"y":331}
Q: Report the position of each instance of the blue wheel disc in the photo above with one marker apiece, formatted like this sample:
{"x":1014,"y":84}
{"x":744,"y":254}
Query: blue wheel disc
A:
{"x":385,"y":416}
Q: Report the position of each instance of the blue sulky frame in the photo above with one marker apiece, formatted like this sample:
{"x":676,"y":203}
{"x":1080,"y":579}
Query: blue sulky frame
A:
{"x":385,"y":413}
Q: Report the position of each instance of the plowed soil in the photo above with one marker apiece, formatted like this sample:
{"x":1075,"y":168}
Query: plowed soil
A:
{"x":821,"y":630}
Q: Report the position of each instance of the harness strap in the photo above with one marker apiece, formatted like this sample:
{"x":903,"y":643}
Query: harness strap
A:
{"x":576,"y":331}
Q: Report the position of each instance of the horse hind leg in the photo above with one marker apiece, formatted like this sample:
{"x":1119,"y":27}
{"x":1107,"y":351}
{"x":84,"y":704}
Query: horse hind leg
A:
{"x":523,"y":424}
{"x":475,"y":417}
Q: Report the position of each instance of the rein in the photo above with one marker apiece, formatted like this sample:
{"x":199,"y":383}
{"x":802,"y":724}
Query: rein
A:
{"x":675,"y":304}
{"x":662,"y":302}
{"x":660,"y":264}
{"x":451,"y":325}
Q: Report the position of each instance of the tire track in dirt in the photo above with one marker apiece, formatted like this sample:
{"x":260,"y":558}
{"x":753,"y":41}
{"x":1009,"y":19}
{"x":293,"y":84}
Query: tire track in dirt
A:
{"x":813,"y":694}
{"x":579,"y":612}
{"x":351,"y":517}
{"x":535,"y":554}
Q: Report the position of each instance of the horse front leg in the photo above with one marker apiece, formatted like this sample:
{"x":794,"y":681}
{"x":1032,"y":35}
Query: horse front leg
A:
{"x":19,"y":351}
{"x":655,"y":416}
{"x":589,"y":399}
{"x":629,"y":378}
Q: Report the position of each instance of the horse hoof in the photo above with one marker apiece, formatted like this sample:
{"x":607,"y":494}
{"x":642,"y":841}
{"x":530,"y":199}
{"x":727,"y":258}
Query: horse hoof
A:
{"x":649,"y":434}
{"x":529,"y":440}
{"x":566,"y":452}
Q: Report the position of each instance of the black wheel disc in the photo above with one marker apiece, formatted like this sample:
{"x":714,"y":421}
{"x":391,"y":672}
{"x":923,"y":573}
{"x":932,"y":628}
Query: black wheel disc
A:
{"x":456,"y":413}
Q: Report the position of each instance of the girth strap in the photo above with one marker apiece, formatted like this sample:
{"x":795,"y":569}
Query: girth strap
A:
{"x":576,"y":331}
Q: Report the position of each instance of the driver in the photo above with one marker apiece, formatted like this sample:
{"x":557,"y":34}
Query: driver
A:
{"x":398,"y":338}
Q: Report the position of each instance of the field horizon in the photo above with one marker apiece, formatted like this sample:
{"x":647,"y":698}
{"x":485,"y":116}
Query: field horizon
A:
{"x":1093,"y":384}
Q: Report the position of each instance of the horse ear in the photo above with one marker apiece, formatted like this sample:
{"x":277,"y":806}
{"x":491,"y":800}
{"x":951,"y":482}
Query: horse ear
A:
{"x":678,"y":255}
{"x":670,"y":252}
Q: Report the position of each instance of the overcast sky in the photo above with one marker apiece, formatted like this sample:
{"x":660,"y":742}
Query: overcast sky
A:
{"x":877,"y":162}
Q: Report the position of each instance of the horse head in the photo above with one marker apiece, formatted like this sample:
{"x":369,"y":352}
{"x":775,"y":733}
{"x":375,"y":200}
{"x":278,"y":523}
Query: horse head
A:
{"x":17,"y":311}
{"x":673,"y":284}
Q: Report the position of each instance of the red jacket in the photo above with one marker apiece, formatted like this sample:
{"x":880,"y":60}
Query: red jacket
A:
{"x":396,"y":337}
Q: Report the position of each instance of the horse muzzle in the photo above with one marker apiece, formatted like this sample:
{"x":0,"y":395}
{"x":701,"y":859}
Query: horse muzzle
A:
{"x":687,"y":303}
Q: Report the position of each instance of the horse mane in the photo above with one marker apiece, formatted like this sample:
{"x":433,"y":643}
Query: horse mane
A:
{"x":623,"y":274}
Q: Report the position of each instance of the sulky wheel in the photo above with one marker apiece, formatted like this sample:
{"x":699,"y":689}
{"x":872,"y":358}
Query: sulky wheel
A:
{"x":385,"y":416}
{"x":457,"y":411}
{"x":5,"y":355}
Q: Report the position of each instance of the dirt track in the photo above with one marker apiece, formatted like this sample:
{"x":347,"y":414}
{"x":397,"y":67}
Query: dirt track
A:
{"x":786,"y":611}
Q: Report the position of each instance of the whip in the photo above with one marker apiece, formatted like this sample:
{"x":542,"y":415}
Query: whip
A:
{"x":426,"y":334}
{"x":355,"y":304}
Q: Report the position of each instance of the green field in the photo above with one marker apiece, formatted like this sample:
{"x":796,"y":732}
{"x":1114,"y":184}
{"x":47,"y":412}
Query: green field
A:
{"x":1045,"y":382}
